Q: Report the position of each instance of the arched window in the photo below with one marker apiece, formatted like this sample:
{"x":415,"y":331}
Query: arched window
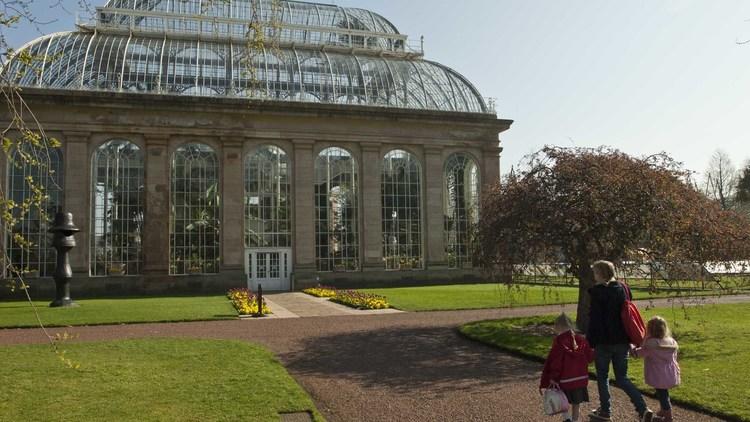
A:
{"x":336,"y":211}
{"x":267,"y":199}
{"x":32,"y":252}
{"x":194,"y":223}
{"x":402,"y":211}
{"x":461,"y":208}
{"x":117,"y":209}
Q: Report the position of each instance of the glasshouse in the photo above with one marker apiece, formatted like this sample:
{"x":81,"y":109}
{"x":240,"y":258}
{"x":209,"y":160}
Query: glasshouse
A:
{"x":209,"y":144}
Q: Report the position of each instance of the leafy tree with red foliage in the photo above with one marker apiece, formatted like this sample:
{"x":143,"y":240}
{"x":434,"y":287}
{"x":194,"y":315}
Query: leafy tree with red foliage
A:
{"x":578,"y":205}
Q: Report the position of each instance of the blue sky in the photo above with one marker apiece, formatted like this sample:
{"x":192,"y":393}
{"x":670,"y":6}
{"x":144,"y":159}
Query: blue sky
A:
{"x":641,"y":75}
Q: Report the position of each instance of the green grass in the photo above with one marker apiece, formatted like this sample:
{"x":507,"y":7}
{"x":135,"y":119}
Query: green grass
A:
{"x":474,"y":296}
{"x":483,"y":296}
{"x":118,"y":311}
{"x":148,"y":380}
{"x":714,"y":355}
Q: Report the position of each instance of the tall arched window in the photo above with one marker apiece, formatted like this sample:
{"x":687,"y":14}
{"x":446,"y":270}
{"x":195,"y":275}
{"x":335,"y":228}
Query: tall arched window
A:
{"x":461,"y":208}
{"x":267,"y":199}
{"x":117,"y":209}
{"x":194,"y":215}
{"x":32,"y":253}
{"x":402,"y":211}
{"x":336,"y":212}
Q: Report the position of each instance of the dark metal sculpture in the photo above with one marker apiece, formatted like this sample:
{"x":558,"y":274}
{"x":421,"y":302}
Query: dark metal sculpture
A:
{"x":63,"y":230}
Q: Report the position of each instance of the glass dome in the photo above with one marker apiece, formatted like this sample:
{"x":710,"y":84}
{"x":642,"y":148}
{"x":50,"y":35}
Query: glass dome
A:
{"x":176,"y":61}
{"x":287,"y":12}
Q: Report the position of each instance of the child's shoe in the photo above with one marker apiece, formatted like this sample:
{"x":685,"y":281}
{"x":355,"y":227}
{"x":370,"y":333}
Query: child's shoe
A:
{"x":600,"y":415}
{"x":647,"y":416}
{"x":665,"y":415}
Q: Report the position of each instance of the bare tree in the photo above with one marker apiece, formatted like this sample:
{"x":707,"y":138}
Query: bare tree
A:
{"x":720,"y":180}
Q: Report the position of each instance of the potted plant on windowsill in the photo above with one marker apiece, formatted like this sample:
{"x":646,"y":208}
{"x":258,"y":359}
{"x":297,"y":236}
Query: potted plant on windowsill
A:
{"x":30,"y":273}
{"x":195,"y":265}
{"x":117,"y":269}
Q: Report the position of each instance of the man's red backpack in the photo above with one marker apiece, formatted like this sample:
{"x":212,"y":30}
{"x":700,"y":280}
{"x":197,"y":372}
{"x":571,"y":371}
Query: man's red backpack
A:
{"x":631,"y":319}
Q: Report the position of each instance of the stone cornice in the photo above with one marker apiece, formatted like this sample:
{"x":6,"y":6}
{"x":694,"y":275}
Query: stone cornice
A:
{"x":162,"y":102}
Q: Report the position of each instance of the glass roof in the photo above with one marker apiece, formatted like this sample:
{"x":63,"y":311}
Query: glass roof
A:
{"x":181,"y":64}
{"x":287,"y":12}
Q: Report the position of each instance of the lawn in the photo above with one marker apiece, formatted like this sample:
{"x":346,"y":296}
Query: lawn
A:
{"x":714,"y":355}
{"x":118,"y":311}
{"x":483,"y":296}
{"x":149,"y":380}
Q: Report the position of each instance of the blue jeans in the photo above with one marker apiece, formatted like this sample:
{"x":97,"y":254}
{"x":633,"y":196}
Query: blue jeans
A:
{"x":618,"y":355}
{"x":663,"y":396}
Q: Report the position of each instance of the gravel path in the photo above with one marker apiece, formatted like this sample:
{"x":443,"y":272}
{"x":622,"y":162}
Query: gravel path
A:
{"x":393,"y":367}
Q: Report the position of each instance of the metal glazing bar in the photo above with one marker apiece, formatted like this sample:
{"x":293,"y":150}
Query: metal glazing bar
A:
{"x":421,"y":81}
{"x":301,"y":76}
{"x":393,"y":79}
{"x":161,"y":65}
{"x":333,"y":81}
{"x":362,"y":75}
{"x":268,"y":76}
{"x":44,"y":63}
{"x":124,"y":60}
{"x":85,"y":59}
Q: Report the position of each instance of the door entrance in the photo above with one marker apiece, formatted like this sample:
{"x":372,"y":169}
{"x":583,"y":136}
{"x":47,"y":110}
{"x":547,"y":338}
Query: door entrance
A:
{"x":271,"y":268}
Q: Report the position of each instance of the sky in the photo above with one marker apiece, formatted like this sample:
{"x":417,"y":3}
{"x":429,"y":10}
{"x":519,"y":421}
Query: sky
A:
{"x":643,"y":76}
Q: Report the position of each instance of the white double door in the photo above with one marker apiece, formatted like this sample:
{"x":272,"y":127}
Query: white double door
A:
{"x":271,"y":268}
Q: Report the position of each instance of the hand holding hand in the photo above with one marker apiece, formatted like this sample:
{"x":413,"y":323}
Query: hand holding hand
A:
{"x":632,"y":352}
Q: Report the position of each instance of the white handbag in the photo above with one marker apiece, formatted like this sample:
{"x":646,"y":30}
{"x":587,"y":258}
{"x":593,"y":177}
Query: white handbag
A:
{"x":555,"y":402}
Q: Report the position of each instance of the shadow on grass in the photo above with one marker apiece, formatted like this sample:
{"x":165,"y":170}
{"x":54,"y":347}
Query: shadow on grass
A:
{"x":434,"y":361}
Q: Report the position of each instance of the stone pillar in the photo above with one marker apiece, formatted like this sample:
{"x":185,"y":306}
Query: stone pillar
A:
{"x":77,"y":171}
{"x":233,"y":210}
{"x":433,"y":208}
{"x":372,"y":226}
{"x":156,"y":220}
{"x":490,"y":164}
{"x":304,"y":207}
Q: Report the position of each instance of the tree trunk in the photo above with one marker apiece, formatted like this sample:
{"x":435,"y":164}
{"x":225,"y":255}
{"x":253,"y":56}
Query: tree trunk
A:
{"x":585,"y":282}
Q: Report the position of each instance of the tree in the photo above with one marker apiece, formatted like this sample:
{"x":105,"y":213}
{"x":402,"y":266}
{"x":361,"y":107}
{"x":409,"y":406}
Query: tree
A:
{"x":580,"y":205}
{"x":742,"y":195}
{"x":721,"y":179}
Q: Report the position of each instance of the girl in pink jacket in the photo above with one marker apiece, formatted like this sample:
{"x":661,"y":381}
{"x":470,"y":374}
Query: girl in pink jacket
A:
{"x":661,"y":370}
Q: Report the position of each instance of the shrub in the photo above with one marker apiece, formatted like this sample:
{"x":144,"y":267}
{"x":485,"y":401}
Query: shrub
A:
{"x":321,"y":291}
{"x":359,"y":300}
{"x":246,"y":302}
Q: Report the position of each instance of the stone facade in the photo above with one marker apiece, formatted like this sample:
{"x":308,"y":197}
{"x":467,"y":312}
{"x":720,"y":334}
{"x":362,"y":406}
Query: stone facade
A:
{"x":159,"y":124}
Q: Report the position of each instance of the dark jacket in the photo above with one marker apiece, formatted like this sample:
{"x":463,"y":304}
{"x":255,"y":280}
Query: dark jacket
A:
{"x":605,"y":321}
{"x":568,"y":362}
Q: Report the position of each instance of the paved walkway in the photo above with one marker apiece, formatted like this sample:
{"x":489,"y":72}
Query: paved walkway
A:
{"x":393,"y":367}
{"x":300,"y":305}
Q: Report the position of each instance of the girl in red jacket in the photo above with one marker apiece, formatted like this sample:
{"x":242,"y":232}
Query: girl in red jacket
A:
{"x":567,"y":366}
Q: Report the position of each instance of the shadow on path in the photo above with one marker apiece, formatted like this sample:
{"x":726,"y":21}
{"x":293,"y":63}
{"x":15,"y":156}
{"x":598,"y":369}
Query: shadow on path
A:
{"x":407,"y":360}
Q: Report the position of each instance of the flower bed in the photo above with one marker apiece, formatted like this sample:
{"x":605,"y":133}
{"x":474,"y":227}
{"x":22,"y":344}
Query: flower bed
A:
{"x":359,"y":300}
{"x":246,"y":302}
{"x":321,"y":291}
